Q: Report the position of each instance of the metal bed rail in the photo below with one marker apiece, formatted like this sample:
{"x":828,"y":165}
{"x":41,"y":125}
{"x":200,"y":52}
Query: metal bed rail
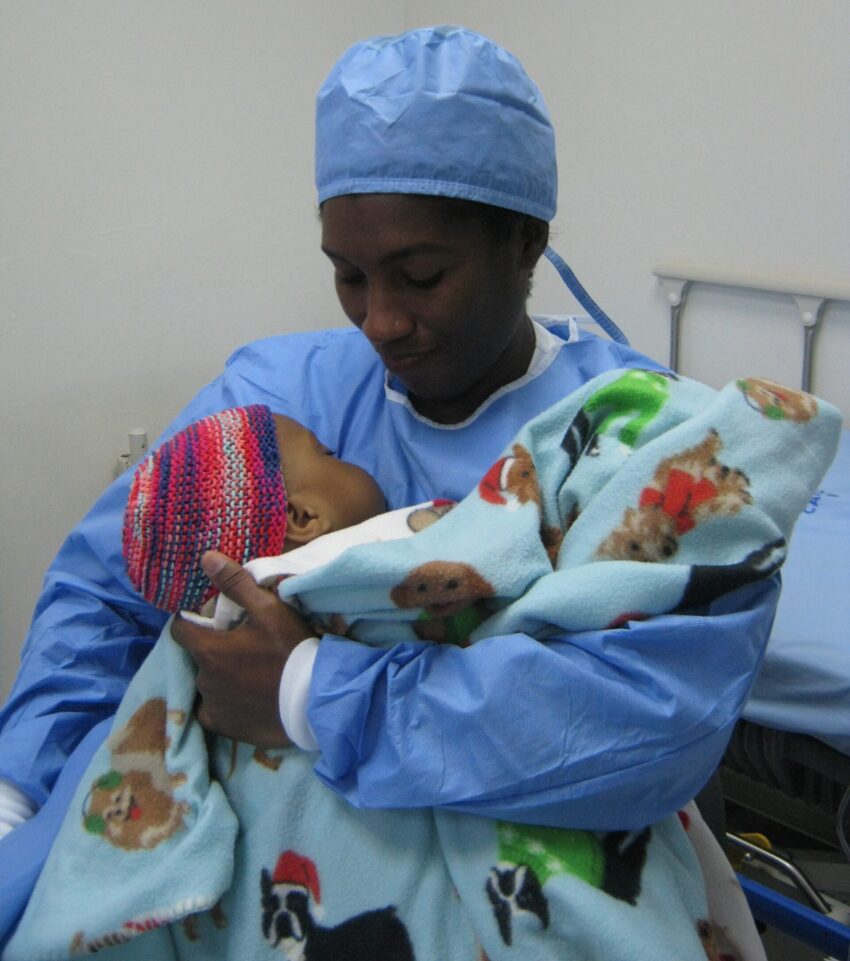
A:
{"x":814,"y":923}
{"x":811,"y":299}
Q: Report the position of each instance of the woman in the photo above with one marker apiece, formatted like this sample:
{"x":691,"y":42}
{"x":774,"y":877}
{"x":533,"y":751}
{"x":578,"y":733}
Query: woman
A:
{"x":436,"y":177}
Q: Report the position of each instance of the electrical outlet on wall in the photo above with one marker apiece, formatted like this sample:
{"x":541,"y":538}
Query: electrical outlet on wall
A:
{"x":138,"y":442}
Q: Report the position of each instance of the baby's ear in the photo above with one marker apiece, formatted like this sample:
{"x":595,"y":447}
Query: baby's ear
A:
{"x":304,"y":522}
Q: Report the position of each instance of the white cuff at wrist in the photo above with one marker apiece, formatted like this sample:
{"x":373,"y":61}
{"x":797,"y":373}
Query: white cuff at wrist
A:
{"x":294,"y":693}
{"x":15,"y":807}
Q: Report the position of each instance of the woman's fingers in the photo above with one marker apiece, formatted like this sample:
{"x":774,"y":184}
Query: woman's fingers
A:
{"x":231,"y":579}
{"x":239,"y":671}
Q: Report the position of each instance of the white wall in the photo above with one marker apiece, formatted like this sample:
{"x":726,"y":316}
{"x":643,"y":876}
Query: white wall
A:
{"x":157,"y":206}
{"x":156,"y":210}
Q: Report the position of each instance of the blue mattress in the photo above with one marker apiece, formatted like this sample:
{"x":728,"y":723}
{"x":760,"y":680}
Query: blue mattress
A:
{"x":804,"y":684}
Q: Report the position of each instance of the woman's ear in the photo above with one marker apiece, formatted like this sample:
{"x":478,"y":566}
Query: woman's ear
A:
{"x":535,"y":236}
{"x":304,"y":522}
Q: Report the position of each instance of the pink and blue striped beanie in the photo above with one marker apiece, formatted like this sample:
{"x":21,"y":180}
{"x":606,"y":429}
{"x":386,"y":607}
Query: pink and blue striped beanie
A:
{"x":216,"y":485}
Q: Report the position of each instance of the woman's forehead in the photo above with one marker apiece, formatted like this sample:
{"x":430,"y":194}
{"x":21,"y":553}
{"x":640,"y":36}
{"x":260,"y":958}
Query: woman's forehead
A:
{"x":392,"y":214}
{"x":387,"y":227}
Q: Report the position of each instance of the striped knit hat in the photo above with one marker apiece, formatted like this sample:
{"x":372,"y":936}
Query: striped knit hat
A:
{"x":216,"y":485}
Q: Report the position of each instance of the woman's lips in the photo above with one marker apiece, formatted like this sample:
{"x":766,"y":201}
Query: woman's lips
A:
{"x":403,"y":363}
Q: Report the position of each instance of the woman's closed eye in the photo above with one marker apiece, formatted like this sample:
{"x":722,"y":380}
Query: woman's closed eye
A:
{"x":423,"y":283}
{"x":408,"y":280}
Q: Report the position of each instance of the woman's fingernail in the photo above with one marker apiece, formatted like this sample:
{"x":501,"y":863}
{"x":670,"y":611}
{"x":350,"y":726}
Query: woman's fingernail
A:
{"x":212,"y":562}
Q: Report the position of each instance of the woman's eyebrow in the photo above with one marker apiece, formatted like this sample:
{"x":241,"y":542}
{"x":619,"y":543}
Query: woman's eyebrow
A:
{"x":401,"y":254}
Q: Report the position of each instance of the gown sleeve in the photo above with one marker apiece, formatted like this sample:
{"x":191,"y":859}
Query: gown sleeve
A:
{"x":610,"y":729}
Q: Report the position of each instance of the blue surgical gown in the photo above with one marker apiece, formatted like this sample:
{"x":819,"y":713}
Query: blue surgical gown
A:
{"x":606,"y":729}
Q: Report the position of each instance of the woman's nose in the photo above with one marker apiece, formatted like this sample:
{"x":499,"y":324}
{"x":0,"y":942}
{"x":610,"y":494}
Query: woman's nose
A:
{"x":385,"y":319}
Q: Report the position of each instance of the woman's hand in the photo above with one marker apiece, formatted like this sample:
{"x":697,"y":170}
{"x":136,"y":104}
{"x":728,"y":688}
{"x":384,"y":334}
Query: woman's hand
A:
{"x":239,"y":671}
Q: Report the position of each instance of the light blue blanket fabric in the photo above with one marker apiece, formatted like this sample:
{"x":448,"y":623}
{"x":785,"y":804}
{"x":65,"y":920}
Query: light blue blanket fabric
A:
{"x":638,"y":495}
{"x":684,"y":492}
{"x":151,"y":865}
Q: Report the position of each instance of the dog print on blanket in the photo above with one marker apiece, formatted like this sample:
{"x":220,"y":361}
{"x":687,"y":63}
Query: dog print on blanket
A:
{"x":133,"y":805}
{"x":451,"y":595}
{"x":632,"y":402}
{"x":422,"y":517}
{"x":288,"y":923}
{"x":511,"y":482}
{"x":530,"y":855}
{"x":777,"y":402}
{"x":686,"y":489}
{"x":511,"y":478}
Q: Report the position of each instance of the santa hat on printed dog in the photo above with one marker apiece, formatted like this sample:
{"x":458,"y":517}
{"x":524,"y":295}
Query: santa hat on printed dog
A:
{"x":296,"y":870}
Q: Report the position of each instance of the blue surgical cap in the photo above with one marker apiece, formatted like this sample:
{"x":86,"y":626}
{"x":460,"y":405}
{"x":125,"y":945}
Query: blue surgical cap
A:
{"x":440,"y":111}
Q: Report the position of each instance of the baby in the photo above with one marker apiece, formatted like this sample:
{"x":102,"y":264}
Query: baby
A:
{"x":255,"y":486}
{"x":246,"y":482}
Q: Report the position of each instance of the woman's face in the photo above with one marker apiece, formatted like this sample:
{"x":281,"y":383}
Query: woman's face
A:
{"x":439,"y":297}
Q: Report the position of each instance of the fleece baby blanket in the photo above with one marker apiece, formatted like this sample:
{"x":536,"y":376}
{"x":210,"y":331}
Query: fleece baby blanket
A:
{"x":640,"y":494}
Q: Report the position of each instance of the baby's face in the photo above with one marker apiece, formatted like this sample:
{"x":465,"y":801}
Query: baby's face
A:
{"x":344,"y":493}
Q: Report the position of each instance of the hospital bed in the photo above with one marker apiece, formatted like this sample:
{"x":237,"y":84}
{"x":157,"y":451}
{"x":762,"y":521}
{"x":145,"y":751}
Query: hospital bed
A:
{"x":787,"y":766}
{"x":786,"y":772}
{"x":792,"y":750}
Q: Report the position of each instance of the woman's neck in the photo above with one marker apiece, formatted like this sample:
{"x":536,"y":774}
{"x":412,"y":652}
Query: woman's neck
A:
{"x":512,"y":364}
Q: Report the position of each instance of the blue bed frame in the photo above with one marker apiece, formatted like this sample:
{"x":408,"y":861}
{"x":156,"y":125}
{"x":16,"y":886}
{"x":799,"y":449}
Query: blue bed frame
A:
{"x":800,"y":922}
